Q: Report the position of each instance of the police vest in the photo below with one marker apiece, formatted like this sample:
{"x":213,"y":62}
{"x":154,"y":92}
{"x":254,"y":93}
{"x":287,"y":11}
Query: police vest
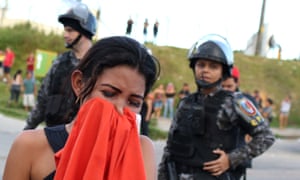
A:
{"x":195,"y":134}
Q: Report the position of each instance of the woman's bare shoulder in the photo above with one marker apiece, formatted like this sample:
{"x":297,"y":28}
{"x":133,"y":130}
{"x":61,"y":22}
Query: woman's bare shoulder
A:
{"x":148,"y":152}
{"x":146,"y":141}
{"x":31,"y":148}
{"x":30,"y":139}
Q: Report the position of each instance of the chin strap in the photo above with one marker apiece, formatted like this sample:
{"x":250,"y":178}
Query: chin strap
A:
{"x":73,"y":43}
{"x":205,"y":85}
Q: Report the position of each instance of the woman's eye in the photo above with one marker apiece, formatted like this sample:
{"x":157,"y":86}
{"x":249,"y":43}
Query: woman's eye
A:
{"x":108,"y":93}
{"x":135,"y":103}
{"x":214,"y":66}
{"x":200,"y":65}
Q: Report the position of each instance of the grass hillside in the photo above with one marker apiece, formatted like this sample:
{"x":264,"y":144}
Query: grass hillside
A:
{"x":272,"y":77}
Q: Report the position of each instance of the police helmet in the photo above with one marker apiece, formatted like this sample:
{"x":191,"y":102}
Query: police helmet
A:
{"x":81,"y":19}
{"x":215,"y":48}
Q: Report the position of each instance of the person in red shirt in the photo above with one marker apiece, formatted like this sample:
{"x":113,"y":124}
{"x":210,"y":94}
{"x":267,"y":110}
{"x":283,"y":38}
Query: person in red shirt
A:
{"x":7,"y":63}
{"x":30,"y":62}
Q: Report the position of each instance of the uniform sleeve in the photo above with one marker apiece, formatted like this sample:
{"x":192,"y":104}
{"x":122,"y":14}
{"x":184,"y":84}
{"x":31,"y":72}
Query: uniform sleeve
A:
{"x":37,"y":115}
{"x":250,"y":120}
{"x":262,"y":139}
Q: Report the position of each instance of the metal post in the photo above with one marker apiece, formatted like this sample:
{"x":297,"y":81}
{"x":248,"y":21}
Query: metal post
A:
{"x":3,"y":12}
{"x":260,"y":30}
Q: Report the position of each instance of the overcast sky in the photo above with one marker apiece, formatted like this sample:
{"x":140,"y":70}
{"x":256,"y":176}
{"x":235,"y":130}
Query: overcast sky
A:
{"x":182,"y":22}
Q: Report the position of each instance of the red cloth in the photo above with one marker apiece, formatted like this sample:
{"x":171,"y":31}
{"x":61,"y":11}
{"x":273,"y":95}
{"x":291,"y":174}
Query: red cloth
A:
{"x":102,"y":145}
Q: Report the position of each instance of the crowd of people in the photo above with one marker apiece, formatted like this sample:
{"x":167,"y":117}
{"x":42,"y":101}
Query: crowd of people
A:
{"x":165,"y":98}
{"x":92,"y":126}
{"x":19,"y":84}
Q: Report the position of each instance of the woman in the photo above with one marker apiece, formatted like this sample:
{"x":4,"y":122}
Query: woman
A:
{"x":114,"y":77}
{"x":285,"y":108}
{"x":170,"y":93}
{"x":159,"y":99}
{"x":15,"y":88}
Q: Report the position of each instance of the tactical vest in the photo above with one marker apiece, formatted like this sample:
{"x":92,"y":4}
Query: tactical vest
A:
{"x":195,"y":134}
{"x":59,"y":99}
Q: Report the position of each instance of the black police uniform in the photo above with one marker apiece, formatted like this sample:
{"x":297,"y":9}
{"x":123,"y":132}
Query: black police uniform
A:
{"x":53,"y":101}
{"x":204,"y":123}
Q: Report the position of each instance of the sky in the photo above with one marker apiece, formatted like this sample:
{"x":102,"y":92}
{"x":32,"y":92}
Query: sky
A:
{"x":181,"y":22}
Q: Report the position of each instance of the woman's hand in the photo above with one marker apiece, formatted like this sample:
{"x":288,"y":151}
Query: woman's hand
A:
{"x":218,"y":166}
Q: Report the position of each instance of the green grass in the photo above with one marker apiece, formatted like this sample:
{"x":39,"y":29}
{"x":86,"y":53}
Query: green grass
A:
{"x":12,"y":110}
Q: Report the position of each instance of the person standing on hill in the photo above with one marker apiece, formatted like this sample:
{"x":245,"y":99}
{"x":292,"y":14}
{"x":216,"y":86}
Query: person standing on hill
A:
{"x":129,"y":27}
{"x":8,"y":63}
{"x":79,"y":28}
{"x":155,"y":31}
{"x":30,"y":63}
{"x":159,"y":99}
{"x":29,"y":92}
{"x":15,"y":87}
{"x":170,"y":93}
{"x":285,"y":108}
{"x":145,"y":30}
{"x":204,"y":137}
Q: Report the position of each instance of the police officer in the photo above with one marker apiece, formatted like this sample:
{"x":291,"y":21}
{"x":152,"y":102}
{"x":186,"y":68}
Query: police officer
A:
{"x":52,"y":103}
{"x":204,"y":138}
{"x":232,"y":83}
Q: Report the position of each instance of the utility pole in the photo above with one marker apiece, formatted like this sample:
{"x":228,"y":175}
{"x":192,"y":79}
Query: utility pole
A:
{"x":98,"y":13}
{"x":3,"y":12}
{"x":260,"y":30}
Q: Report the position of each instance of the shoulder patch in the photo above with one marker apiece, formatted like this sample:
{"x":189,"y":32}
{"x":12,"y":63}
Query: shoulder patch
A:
{"x":247,"y":110}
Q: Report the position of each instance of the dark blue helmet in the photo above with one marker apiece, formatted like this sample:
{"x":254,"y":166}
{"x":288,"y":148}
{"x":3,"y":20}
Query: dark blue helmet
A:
{"x":81,"y":19}
{"x":215,"y":48}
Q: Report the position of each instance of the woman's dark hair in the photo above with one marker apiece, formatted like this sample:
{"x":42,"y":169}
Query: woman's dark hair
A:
{"x":19,"y":71}
{"x":114,"y":51}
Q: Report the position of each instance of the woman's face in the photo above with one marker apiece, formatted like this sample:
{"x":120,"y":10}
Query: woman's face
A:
{"x":208,"y":71}
{"x":123,"y":86}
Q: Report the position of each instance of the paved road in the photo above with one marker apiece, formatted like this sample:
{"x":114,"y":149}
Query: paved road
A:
{"x":281,"y":162}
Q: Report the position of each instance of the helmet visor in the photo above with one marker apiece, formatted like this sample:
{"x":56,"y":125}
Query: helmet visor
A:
{"x":81,"y":11}
{"x":218,"y":40}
